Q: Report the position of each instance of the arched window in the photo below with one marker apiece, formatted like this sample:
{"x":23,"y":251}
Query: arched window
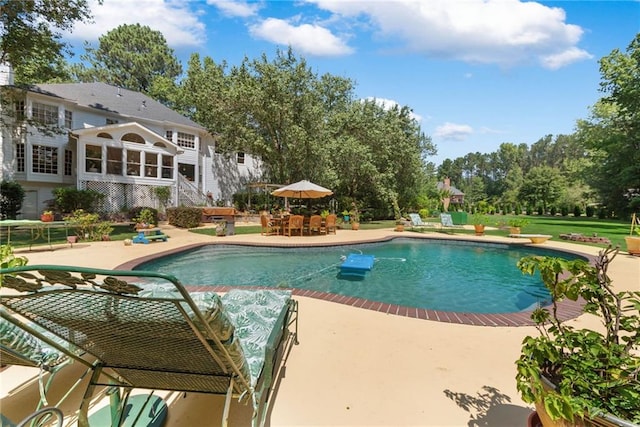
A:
{"x":160,"y":144}
{"x":105,"y":135}
{"x":132,"y":137}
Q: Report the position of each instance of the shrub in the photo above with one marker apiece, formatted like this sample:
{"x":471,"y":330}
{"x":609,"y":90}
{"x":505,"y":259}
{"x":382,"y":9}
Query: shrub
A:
{"x":85,"y":224}
{"x":529,"y":210}
{"x":577,"y":211}
{"x":590,"y":211}
{"x":424,"y":213}
{"x":602,"y":213}
{"x":540,"y":210}
{"x":11,"y":198}
{"x":518,"y":209}
{"x":554,"y":210}
{"x":68,"y":200}
{"x":134,"y":214}
{"x":564,"y":211}
{"x":147,"y":216}
{"x":184,"y":217}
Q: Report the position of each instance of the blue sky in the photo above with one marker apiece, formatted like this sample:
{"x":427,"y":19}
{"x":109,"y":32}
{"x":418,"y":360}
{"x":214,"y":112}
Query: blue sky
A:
{"x":476,"y":73}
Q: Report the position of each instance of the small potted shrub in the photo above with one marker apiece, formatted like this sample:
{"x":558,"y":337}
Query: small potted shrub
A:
{"x":516,"y":225}
{"x":633,"y":239}
{"x":46,"y":216}
{"x":580,"y":377}
{"x":479,"y":221}
{"x":354,"y":216}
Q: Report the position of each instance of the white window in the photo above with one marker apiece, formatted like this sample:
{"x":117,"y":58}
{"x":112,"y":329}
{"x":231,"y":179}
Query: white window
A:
{"x":186,"y":140}
{"x":68,"y":119}
{"x":45,"y":159}
{"x":167,"y":166}
{"x":240,"y":158}
{"x":114,"y":160}
{"x":93,"y":159}
{"x":68,"y":162}
{"x":151,"y":165}
{"x":169,"y":135}
{"x":44,"y":113}
{"x":133,"y":163}
{"x":19,"y":157}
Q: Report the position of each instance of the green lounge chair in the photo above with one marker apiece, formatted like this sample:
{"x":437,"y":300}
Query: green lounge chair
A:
{"x":149,"y":332}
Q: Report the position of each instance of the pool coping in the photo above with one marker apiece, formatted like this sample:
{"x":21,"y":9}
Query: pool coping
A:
{"x":566,"y":309}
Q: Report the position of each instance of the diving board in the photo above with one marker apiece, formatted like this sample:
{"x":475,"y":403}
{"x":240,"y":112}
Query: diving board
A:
{"x":357,"y":264}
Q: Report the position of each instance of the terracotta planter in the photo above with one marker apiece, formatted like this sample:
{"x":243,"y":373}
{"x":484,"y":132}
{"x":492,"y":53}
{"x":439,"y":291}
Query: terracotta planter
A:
{"x":355,"y":226}
{"x":479,"y":229}
{"x":514,"y":230}
{"x":633,"y":245}
{"x":46,"y":217}
{"x":399,"y":227}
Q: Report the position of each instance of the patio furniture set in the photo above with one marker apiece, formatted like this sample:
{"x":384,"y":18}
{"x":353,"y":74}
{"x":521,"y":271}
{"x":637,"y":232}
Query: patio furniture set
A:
{"x":298,"y":225}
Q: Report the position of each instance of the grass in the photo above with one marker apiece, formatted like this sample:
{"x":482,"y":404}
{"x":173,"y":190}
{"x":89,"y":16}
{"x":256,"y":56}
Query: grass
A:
{"x":614,"y":230}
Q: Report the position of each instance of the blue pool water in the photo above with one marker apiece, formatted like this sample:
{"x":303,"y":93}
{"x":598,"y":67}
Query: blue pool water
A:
{"x":438,"y":275}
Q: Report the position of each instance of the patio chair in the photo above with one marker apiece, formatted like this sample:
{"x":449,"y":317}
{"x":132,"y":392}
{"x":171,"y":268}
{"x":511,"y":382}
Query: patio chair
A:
{"x":268,"y":228}
{"x":315,"y":225}
{"x":296,"y":222}
{"x":330,"y":223}
{"x":447,"y":221}
{"x":146,"y":331}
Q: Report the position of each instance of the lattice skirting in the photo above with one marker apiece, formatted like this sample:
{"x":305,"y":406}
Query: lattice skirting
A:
{"x":120,"y":196}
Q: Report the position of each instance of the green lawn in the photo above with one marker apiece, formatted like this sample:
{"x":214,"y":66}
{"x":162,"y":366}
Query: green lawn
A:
{"x":555,"y":226}
{"x":612,"y":229}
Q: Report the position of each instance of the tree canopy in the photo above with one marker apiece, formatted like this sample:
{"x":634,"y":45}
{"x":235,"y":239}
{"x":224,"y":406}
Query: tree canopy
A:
{"x":134,"y":57}
{"x":31,"y":39}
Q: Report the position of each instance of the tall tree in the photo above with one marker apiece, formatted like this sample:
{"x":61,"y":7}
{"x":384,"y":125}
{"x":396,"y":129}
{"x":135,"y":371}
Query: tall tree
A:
{"x":31,"y":39}
{"x":613,"y":131}
{"x":134,"y":57}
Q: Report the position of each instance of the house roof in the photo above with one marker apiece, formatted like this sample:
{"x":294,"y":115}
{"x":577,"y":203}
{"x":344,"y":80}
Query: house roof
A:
{"x":115,"y":100}
{"x":453,"y":190}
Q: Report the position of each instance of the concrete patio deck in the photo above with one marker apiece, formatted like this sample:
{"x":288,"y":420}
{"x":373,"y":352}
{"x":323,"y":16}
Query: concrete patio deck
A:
{"x":353,"y":366}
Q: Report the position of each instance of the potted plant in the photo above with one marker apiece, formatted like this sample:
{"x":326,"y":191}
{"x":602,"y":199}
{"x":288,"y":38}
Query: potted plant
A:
{"x":46,"y":216}
{"x":633,"y":242}
{"x":516,"y":224}
{"x":145,"y":219}
{"x":354,"y":215}
{"x":573,"y":374}
{"x":345,"y":216}
{"x":104,"y":229}
{"x":479,"y":221}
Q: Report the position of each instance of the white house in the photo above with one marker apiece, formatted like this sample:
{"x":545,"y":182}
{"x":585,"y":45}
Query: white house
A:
{"x":116,"y":141}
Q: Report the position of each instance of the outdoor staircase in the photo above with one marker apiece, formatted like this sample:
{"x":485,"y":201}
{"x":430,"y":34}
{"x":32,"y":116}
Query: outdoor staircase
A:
{"x":190,"y":195}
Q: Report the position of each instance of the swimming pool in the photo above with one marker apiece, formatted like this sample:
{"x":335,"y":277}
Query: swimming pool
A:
{"x":430,"y":274}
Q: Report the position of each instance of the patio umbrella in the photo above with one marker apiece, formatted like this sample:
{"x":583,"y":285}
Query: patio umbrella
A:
{"x":302,"y":190}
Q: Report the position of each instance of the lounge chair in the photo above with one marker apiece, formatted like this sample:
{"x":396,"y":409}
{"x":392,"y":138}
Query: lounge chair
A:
{"x":447,"y":221}
{"x":149,"y":332}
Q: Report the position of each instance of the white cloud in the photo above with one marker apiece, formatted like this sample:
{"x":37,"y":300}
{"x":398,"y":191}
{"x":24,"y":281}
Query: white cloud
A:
{"x":179,"y":25}
{"x":241,"y":9}
{"x":388,"y":104}
{"x":504,"y":32}
{"x":306,"y":38}
{"x":453,"y":131}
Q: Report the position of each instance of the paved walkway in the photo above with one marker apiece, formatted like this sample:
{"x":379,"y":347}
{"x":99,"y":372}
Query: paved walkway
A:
{"x":359,"y":367}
